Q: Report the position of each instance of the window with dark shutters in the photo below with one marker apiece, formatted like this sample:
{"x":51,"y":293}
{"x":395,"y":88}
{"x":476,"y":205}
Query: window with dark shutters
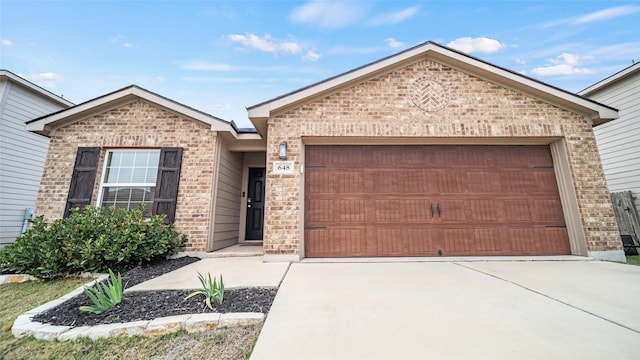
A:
{"x":166,"y":195}
{"x":83,"y":178}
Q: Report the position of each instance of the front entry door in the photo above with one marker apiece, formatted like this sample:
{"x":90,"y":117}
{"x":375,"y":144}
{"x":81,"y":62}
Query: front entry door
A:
{"x":255,"y":204}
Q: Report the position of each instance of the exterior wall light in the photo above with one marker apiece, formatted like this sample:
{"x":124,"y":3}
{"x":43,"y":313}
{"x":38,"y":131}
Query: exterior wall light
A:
{"x":282,"y":151}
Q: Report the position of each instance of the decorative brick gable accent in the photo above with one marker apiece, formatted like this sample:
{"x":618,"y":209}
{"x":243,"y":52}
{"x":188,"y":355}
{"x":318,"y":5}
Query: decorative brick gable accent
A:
{"x":473,"y":108}
{"x":139,"y":124}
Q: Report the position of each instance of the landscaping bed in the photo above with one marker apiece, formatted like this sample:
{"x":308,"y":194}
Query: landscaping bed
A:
{"x":148,"y":305}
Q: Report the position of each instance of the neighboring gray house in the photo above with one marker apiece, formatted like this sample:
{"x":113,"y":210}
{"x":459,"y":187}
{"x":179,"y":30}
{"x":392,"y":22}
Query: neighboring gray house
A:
{"x":22,"y":153}
{"x":619,"y":141}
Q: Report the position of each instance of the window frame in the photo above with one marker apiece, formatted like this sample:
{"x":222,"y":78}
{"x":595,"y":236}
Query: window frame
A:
{"x":102,"y":185}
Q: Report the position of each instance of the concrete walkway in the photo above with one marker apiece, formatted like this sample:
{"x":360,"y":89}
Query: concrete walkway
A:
{"x":455,"y":310}
{"x":237,"y":272}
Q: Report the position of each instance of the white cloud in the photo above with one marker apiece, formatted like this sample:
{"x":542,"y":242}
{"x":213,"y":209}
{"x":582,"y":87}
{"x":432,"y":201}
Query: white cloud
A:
{"x":200,"y":65}
{"x":346,"y":50}
{"x":393,"y":43}
{"x":220,"y":107}
{"x":311,"y":56}
{"x":327,"y":14}
{"x":226,"y":80}
{"x":520,"y":61}
{"x":266,"y":44}
{"x":473,"y":45}
{"x":7,"y":42}
{"x":395,"y":17}
{"x":46,"y":79}
{"x":564,"y":64}
{"x":607,"y":14}
{"x":119,"y":39}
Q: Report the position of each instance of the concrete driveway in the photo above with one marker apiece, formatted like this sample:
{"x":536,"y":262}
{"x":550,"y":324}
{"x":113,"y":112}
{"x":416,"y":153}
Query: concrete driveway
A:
{"x":455,"y":310}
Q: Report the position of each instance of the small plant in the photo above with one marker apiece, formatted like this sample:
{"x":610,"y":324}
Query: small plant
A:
{"x":211,"y":289}
{"x":104,"y":296}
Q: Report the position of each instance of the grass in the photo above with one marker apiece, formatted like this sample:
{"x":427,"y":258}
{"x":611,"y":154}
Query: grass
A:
{"x":15,"y":299}
{"x":633,"y":260}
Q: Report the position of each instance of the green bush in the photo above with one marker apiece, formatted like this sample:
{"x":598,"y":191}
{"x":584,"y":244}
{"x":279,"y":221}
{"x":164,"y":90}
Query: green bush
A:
{"x":93,"y":239}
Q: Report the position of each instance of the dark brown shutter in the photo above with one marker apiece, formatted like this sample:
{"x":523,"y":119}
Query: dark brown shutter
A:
{"x":83,"y":178}
{"x":166,"y":196}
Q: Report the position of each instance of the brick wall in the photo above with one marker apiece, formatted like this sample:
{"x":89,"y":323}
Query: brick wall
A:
{"x":137,"y":125}
{"x":473,"y":108}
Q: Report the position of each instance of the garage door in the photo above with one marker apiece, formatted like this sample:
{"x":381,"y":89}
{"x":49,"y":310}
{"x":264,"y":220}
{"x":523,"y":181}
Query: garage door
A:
{"x":431,"y":201}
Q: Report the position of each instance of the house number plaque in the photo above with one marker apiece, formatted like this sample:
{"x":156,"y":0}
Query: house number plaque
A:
{"x":283,"y":167}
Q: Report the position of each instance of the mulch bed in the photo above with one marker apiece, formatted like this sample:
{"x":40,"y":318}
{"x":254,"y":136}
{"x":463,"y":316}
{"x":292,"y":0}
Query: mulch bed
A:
{"x":148,"y":305}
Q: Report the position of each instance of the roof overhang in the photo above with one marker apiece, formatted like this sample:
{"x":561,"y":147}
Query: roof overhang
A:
{"x":619,"y":76}
{"x":48,"y":124}
{"x":8,"y":75}
{"x":595,"y":113}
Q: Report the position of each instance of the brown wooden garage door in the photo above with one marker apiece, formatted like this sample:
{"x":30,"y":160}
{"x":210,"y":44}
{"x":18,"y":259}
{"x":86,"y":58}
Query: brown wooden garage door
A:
{"x":432,"y":200}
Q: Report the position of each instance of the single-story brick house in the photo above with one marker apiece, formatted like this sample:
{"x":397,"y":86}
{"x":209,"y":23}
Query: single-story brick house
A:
{"x":429,"y":152}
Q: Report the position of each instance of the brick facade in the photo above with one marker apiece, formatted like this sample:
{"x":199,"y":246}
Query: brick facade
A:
{"x":139,"y":124}
{"x":475,"y":108}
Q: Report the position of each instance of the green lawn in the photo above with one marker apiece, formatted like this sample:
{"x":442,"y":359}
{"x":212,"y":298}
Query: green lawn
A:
{"x":633,"y":260}
{"x":15,"y":299}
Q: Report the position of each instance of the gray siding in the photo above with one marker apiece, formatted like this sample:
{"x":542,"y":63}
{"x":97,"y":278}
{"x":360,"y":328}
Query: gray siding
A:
{"x":22,"y":154}
{"x":227,"y":208}
{"x":619,"y":140}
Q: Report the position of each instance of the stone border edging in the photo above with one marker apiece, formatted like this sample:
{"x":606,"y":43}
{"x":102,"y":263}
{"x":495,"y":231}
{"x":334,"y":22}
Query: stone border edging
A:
{"x":15,"y":278}
{"x":25,"y":326}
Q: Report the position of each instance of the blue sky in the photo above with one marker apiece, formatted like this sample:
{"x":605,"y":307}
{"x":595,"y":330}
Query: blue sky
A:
{"x":222,"y":56}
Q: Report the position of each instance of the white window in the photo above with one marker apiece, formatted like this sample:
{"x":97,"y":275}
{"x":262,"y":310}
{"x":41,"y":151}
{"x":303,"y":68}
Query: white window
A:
{"x":129,"y":179}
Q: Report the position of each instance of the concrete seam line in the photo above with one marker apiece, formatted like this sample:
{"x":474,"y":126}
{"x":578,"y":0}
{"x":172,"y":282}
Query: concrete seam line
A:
{"x":284,"y":275}
{"x":546,"y":296}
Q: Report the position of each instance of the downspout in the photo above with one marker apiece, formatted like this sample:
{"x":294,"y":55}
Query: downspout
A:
{"x":28,"y":215}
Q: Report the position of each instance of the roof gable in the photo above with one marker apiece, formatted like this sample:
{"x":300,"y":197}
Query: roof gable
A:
{"x":34,"y":88}
{"x":611,"y":80}
{"x":48,"y":124}
{"x":594,"y":111}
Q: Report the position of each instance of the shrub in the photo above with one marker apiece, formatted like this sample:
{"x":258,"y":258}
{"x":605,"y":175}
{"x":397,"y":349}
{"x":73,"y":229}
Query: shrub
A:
{"x":93,"y":239}
{"x":104,"y":296}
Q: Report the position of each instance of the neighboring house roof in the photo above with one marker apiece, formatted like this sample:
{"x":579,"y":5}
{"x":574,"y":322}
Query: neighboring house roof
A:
{"x":619,"y":76}
{"x":6,"y":74}
{"x":596,"y":112}
{"x":47,"y":125}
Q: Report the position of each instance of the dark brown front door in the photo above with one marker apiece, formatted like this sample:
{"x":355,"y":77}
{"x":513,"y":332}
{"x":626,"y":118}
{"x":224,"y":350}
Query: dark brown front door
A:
{"x":432,"y":200}
{"x":255,"y":204}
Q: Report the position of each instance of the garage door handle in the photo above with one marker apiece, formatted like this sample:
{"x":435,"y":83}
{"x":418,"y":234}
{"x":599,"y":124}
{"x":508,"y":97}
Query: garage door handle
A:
{"x":431,"y":204}
{"x":439,"y":210}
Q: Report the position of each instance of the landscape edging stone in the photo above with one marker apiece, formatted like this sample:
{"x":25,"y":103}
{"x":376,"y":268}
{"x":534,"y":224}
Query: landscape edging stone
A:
{"x":25,"y":326}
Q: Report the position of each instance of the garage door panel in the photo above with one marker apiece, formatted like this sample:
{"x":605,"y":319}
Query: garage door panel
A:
{"x":484,"y":211}
{"x":452,"y":211}
{"x":336,"y":242}
{"x":351,"y":210}
{"x":417,"y":211}
{"x":320,"y":211}
{"x":349,"y":182}
{"x":481,"y":182}
{"x":451,"y":182}
{"x":320,"y":182}
{"x":546,"y":182}
{"x":549,"y":211}
{"x":377,"y":201}
{"x":518,"y":182}
{"x":386,"y":181}
{"x":415,"y":182}
{"x":556,"y":240}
